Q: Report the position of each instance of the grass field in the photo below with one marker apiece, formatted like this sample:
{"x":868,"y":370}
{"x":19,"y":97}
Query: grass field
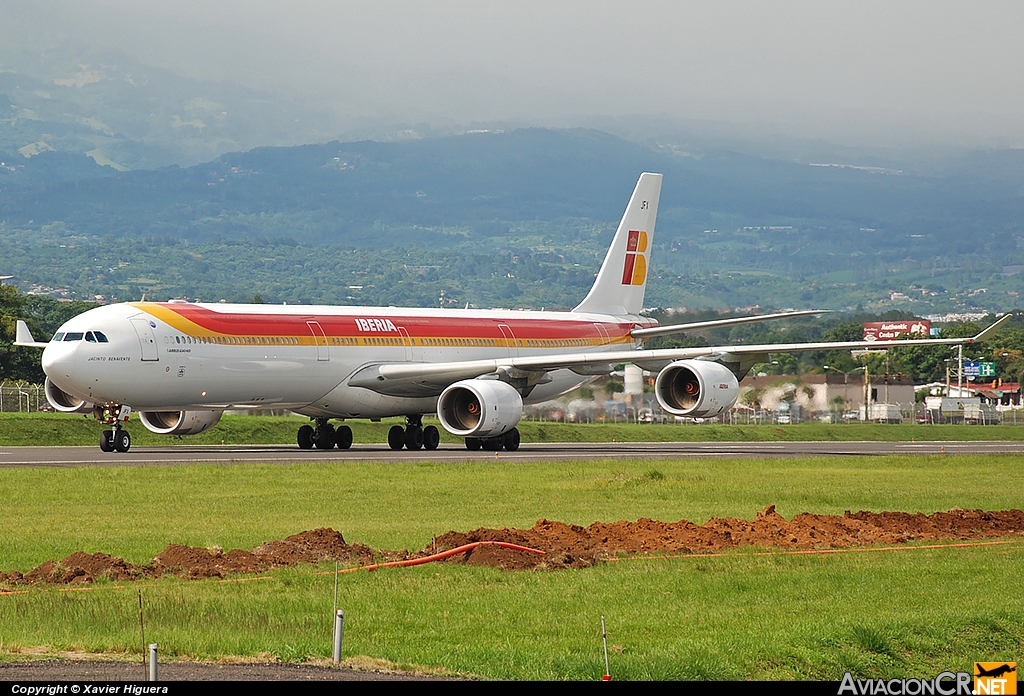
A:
{"x":28,"y":429}
{"x":903,"y":613}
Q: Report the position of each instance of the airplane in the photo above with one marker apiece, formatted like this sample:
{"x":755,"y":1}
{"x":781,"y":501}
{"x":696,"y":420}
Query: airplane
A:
{"x":180,"y":365}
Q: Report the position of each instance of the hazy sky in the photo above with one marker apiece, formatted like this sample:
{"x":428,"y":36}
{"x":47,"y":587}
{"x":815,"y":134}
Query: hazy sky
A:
{"x":857,"y":72}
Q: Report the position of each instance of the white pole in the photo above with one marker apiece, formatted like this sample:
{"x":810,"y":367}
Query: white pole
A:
{"x":339,"y":632}
{"x":960,"y":371}
{"x":152,"y":662}
{"x":604,"y":637}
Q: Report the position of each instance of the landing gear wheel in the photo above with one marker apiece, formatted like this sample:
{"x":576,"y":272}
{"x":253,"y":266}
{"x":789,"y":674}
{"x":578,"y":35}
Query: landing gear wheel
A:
{"x":107,"y":441}
{"x":473,"y":443}
{"x":396,"y":437}
{"x":343,"y":435}
{"x":324,"y":437}
{"x":413,"y":437}
{"x":306,"y":436}
{"x":492,"y":444}
{"x":431,"y":438}
{"x":510,"y":440}
{"x":122,"y":440}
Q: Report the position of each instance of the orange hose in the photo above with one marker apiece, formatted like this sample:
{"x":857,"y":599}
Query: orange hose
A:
{"x":443,"y":555}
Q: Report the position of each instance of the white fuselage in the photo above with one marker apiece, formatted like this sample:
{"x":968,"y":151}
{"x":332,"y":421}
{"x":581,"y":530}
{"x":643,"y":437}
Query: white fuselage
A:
{"x":184,"y":356}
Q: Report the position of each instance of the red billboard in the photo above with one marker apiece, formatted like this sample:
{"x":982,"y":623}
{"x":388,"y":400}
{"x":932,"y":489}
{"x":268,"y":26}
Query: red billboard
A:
{"x":890,"y":330}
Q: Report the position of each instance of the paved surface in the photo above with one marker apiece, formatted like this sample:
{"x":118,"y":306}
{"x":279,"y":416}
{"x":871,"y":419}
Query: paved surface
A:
{"x":283,"y":454}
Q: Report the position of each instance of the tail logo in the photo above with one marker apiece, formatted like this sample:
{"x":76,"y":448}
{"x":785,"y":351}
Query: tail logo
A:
{"x":634,"y":271}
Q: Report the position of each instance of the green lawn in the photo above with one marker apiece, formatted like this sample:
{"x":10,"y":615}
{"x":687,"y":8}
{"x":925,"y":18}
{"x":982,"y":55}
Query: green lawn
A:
{"x":27,"y":429}
{"x":904,"y":613}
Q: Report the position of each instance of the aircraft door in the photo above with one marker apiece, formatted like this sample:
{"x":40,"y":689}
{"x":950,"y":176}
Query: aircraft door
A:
{"x":510,"y":340}
{"x":147,"y":338}
{"x":603,"y":333}
{"x":320,"y":339}
{"x":411,"y":353}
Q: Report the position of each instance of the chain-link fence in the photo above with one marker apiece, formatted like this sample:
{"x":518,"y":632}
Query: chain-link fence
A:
{"x":19,"y":396}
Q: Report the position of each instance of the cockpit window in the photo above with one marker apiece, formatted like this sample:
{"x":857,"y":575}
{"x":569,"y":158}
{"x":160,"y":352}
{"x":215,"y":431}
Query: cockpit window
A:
{"x":57,"y":336}
{"x":100,"y":337}
{"x":73,"y":336}
{"x":89,"y":337}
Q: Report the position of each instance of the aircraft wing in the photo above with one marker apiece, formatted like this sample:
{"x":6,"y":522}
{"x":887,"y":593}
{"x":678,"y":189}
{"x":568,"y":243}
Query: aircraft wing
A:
{"x":429,"y":379}
{"x":717,"y":323}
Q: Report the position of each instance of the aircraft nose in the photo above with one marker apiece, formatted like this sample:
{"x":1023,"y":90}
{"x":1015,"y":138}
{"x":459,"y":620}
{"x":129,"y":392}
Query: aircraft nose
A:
{"x":50,"y":361}
{"x":57,"y":360}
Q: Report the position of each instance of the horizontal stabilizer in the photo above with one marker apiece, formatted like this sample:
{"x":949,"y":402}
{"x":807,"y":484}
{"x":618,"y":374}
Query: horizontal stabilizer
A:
{"x":24,"y":337}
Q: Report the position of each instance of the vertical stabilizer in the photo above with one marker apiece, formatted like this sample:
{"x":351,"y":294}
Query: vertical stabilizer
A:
{"x":619,"y":288}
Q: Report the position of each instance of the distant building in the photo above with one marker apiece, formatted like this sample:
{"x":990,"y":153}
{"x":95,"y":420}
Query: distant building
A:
{"x":831,"y":392}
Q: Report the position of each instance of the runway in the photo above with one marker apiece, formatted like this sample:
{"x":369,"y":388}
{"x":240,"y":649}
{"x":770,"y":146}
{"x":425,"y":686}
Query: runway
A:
{"x":286,"y":454}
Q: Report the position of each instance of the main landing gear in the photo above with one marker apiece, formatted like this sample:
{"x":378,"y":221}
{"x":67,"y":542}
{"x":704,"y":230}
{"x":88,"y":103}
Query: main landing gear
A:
{"x":414,"y":436}
{"x":117,"y":438}
{"x":508,"y":441}
{"x":325,"y":436}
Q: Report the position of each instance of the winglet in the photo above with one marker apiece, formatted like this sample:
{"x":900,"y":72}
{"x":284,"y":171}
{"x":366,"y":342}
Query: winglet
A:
{"x":993,"y":327}
{"x":23,"y":337}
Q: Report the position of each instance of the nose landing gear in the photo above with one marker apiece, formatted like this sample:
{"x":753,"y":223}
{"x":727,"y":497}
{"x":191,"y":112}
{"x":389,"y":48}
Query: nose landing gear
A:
{"x":117,"y":438}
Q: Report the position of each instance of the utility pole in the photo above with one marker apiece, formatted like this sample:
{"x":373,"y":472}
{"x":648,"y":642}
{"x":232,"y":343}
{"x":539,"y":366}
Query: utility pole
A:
{"x":867,"y":395}
{"x":960,"y":371}
{"x":887,"y":381}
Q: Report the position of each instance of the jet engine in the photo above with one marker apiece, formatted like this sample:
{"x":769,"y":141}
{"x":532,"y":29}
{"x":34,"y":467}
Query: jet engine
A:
{"x":479,"y":408}
{"x":696,"y":388}
{"x":64,"y":402}
{"x":179,"y":422}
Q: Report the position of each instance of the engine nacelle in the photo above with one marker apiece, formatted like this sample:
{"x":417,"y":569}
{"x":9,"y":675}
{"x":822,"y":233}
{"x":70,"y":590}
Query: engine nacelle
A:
{"x":479,"y":408}
{"x":696,"y":388}
{"x":179,"y":422}
{"x":64,"y":402}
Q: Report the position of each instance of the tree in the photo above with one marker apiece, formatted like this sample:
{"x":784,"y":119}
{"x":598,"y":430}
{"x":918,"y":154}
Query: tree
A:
{"x":43,"y":315}
{"x":15,"y":363}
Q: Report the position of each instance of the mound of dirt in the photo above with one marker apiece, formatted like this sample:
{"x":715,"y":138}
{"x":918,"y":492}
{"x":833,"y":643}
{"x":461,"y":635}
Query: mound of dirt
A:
{"x":572,"y":546}
{"x":194,"y":562}
{"x":82,"y":567}
{"x":564,"y":545}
